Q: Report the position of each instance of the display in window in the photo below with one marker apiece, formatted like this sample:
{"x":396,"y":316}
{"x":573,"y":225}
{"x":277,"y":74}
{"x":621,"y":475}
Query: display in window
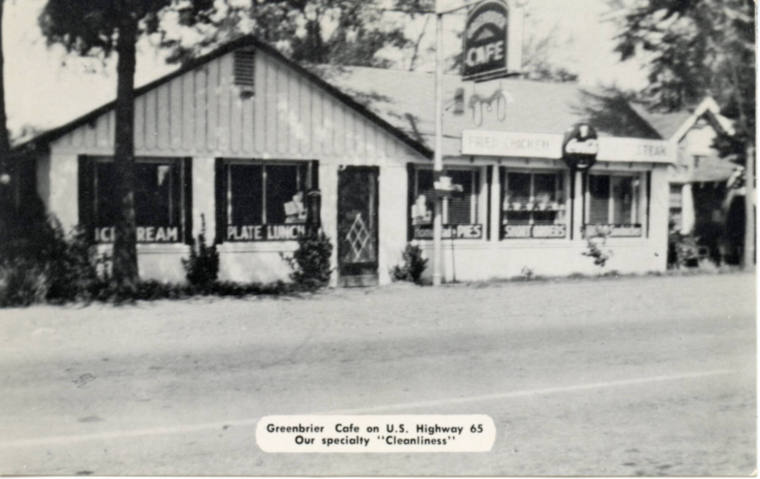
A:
{"x":265,"y":201}
{"x":459,"y":211}
{"x":613,"y":206}
{"x":158,"y":201}
{"x":533,"y":205}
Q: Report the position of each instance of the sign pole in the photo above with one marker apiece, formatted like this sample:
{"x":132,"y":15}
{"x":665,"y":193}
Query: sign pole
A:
{"x":438,"y":155}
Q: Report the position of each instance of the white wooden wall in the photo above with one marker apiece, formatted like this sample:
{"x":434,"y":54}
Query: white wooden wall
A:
{"x":201,"y":113}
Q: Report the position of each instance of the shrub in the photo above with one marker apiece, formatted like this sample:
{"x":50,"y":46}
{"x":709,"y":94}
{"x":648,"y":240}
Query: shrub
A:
{"x":202,"y":267}
{"x":40,"y":263}
{"x":595,"y":248}
{"x":412,"y":266}
{"x":22,"y":282}
{"x":311,"y":261}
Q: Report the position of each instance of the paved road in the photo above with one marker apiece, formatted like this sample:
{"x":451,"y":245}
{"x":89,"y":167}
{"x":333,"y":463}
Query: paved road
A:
{"x":652,"y":376}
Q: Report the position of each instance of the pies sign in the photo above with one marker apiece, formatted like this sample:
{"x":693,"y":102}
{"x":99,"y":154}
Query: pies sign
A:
{"x":580,"y":147}
{"x":485,"y":40}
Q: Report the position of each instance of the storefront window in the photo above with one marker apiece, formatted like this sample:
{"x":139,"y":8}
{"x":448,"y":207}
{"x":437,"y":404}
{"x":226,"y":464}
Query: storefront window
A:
{"x":460,"y":210}
{"x":158,"y":200}
{"x":265,"y":201}
{"x":613,"y":205}
{"x":533,"y":205}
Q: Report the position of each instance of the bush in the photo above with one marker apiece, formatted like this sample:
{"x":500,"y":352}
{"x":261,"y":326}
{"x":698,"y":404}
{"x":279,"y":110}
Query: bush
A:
{"x":595,"y":248}
{"x":202,"y":267}
{"x":412,"y":266}
{"x":41,"y":263}
{"x":22,"y":283}
{"x":311,"y":261}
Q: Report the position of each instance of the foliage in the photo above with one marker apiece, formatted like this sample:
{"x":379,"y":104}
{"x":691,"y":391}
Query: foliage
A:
{"x":596,"y":249}
{"x":311,"y":261}
{"x":41,"y":263}
{"x":412,"y":266}
{"x":696,"y":48}
{"x":22,"y":282}
{"x":348,"y":32}
{"x":202,"y":267}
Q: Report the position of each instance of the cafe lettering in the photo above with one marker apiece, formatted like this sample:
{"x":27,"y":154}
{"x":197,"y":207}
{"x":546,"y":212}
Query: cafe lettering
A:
{"x":485,"y":39}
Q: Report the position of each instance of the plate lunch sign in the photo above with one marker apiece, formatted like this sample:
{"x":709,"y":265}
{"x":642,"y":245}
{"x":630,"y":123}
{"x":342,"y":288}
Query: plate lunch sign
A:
{"x":485,"y":40}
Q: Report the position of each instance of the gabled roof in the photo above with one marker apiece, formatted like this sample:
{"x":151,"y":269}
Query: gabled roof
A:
{"x":674,"y":125}
{"x":42,"y":140}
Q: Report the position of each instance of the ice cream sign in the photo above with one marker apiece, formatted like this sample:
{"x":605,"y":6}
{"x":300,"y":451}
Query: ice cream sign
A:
{"x":485,"y":40}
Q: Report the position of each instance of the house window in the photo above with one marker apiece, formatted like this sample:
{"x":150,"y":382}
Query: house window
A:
{"x":159,"y":200}
{"x":613,"y":205}
{"x":459,"y":211}
{"x":264,"y":200}
{"x":533,"y":205}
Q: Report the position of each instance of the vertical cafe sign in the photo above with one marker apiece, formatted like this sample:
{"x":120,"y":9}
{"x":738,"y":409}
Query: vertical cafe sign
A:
{"x":485,"y":40}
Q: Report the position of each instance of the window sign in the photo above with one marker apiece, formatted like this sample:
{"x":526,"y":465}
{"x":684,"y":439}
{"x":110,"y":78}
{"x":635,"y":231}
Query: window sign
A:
{"x":533,"y":205}
{"x":460,"y":210}
{"x":265,"y":201}
{"x":159,"y":201}
{"x":612,"y":206}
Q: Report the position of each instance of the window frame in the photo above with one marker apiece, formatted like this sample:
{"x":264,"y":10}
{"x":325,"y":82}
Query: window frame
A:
{"x":562,"y":193}
{"x":302,"y":179}
{"x":615,"y":229}
{"x":459,"y":231}
{"x":184,"y":223}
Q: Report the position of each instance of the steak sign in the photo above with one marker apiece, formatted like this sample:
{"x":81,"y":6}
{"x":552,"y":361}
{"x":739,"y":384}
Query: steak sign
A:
{"x":485,"y":40}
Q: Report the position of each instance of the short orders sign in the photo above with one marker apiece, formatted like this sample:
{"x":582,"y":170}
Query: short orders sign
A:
{"x":485,"y":40}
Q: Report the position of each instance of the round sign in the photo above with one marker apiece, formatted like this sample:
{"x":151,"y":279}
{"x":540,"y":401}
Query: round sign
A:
{"x":580,"y":146}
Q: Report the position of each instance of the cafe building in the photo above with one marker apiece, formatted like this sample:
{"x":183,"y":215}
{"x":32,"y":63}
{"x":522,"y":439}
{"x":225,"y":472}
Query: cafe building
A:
{"x":242,"y":142}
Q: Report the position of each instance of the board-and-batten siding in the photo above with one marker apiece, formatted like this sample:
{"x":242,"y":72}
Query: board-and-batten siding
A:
{"x":201,"y":113}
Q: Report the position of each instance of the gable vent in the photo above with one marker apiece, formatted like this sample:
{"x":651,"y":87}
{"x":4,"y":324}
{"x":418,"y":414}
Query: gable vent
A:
{"x":244,"y":63}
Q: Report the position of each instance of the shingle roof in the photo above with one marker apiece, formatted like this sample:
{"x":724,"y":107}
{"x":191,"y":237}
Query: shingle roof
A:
{"x":666,"y":124}
{"x":406,"y":100}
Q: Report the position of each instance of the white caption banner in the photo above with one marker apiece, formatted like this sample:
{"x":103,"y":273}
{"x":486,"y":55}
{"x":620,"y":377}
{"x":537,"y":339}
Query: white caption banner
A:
{"x":376,"y":433}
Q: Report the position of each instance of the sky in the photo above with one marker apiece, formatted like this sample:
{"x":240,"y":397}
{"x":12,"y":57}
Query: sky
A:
{"x":45,"y":87}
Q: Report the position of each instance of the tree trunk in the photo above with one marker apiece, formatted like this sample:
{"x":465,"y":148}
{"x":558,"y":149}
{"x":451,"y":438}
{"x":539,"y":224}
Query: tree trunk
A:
{"x":125,"y":273}
{"x":748,"y":259}
{"x":5,"y":188}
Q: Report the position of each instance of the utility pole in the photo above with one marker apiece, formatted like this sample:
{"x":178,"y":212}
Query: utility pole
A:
{"x":438,"y":154}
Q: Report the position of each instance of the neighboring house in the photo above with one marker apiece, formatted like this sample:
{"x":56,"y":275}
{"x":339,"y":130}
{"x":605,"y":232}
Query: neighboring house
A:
{"x":702,"y":202}
{"x":241,"y":135}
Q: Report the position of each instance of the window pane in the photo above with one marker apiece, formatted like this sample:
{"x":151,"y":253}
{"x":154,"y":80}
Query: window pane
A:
{"x":622,"y":193}
{"x":518,"y":185}
{"x":156,"y":194}
{"x":284,"y":191}
{"x":106,"y":202}
{"x":599,"y":199}
{"x":246,"y":194}
{"x":424,"y":201}
{"x":545,"y":188}
{"x":461,"y":209}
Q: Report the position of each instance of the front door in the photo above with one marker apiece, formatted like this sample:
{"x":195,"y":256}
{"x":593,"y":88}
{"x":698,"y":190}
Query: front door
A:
{"x":357,"y":226}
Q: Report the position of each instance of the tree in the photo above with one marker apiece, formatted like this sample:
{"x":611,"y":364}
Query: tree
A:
{"x":5,"y":203}
{"x":695,"y":48}
{"x":347,"y":32}
{"x":105,"y":27}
